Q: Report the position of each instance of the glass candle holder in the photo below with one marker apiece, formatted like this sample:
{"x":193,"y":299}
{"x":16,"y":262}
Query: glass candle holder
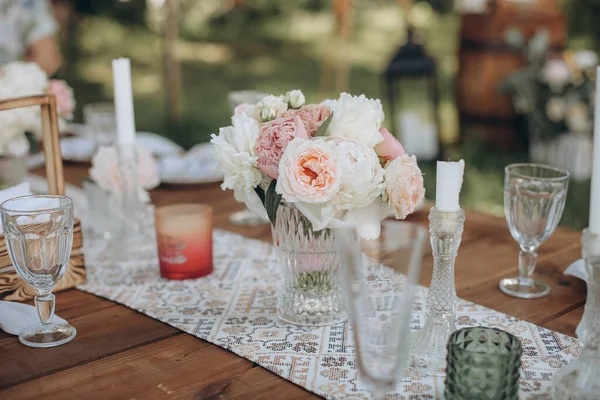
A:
{"x":184,"y":236}
{"x":483,"y":363}
{"x":101,"y":121}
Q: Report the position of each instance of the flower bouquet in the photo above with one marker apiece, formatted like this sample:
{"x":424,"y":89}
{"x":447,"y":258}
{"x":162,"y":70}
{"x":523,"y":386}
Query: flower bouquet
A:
{"x":316,"y":168}
{"x":20,"y":79}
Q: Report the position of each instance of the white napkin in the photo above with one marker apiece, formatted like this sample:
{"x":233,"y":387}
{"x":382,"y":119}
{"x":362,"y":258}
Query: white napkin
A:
{"x":159,"y":146}
{"x":16,"y":317}
{"x":22,"y":189}
{"x":77,"y":148}
{"x":198,"y":165}
{"x":577,"y":269}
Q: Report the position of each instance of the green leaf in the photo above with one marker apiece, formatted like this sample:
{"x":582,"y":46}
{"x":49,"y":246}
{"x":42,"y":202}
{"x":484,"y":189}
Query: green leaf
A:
{"x":261,"y":194}
{"x":323,"y":128}
{"x":272,"y":201}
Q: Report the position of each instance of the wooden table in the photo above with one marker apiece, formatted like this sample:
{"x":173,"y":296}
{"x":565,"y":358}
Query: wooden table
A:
{"x":121,"y":354}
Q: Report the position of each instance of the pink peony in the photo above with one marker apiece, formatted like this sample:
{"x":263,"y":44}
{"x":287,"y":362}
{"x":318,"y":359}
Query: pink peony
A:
{"x":273,"y":140}
{"x":312,"y":115}
{"x":65,"y":101}
{"x":403,"y":185}
{"x":390,"y":148}
{"x":309,"y":172}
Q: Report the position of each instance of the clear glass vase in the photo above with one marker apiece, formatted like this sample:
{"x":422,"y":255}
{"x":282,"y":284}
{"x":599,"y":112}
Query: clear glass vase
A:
{"x":311,"y":291}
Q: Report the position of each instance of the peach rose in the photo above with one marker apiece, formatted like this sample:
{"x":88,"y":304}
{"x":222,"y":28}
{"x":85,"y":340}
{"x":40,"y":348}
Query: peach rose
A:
{"x":390,"y":148}
{"x":65,"y":102}
{"x":309,"y":172}
{"x":312,"y":115}
{"x":403,"y":185}
{"x":273,"y":140}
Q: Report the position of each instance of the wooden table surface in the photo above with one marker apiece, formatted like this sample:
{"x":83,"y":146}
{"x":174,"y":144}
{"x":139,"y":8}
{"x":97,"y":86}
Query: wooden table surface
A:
{"x":121,"y":354}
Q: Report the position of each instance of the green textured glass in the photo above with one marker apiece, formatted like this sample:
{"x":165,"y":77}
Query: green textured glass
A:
{"x":483,"y":364}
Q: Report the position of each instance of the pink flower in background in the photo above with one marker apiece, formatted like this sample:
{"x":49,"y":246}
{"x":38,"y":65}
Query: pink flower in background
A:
{"x":65,"y":101}
{"x":312,"y":115}
{"x":403,"y":185}
{"x":309,"y":172}
{"x":390,"y":148}
{"x":273,"y":139}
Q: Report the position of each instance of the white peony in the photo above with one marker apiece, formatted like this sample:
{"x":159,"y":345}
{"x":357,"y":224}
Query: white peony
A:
{"x":586,"y":59}
{"x":357,"y":118}
{"x":362,"y":176}
{"x":557,"y":74}
{"x":272,"y":107}
{"x":295,"y":98}
{"x":234,"y":150}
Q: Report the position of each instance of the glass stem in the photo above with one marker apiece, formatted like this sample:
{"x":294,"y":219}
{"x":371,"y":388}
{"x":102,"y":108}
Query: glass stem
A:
{"x":45,"y":307}
{"x":527,"y":260}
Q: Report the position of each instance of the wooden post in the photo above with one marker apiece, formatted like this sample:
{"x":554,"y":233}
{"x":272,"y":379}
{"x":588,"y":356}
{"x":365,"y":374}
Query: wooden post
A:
{"x":54,"y":166}
{"x":172,"y":68}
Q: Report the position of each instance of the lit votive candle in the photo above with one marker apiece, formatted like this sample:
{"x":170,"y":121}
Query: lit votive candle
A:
{"x":184,"y":235}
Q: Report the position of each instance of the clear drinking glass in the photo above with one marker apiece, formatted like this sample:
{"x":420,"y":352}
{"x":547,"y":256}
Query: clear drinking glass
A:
{"x":246,"y":217}
{"x":101,"y":121}
{"x":39,"y":235}
{"x":534,"y":200}
{"x":381,"y":280}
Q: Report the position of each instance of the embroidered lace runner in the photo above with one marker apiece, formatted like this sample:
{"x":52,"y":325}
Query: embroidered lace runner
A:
{"x":234,"y":308}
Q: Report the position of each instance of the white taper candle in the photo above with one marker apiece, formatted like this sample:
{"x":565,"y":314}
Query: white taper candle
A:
{"x":594,"y":224}
{"x":123,"y":101}
{"x":449,"y":178}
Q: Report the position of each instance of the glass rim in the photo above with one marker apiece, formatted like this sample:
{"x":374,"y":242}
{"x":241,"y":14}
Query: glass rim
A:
{"x":516,"y":344}
{"x":5,"y":208}
{"x":509,"y":169}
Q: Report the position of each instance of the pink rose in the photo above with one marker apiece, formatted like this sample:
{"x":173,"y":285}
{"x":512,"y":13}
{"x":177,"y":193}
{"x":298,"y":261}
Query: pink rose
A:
{"x":273,"y":140}
{"x":312,"y":115}
{"x":309,"y":172}
{"x":390,"y":148}
{"x":403,"y":185}
{"x":65,"y":102}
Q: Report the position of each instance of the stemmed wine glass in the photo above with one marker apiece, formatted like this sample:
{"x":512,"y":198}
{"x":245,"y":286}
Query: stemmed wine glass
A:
{"x":381,"y":280}
{"x":39,"y":235}
{"x":246,"y":217}
{"x":534,"y":200}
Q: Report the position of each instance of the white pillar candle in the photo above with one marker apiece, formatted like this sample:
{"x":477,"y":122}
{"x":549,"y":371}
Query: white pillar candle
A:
{"x":123,"y":101}
{"x":594,"y":224}
{"x":449,"y":178}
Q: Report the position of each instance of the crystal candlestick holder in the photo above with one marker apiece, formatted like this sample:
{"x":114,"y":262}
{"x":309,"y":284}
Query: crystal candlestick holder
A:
{"x":128,"y":240}
{"x":579,"y":380}
{"x":429,"y":343}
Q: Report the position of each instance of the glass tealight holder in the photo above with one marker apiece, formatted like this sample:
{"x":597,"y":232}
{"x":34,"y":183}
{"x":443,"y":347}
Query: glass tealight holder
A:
{"x":483,"y":363}
{"x":184,"y":236}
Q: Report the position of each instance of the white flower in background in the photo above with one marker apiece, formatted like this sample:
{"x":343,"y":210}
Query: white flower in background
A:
{"x":578,"y":118}
{"x":357,"y":118}
{"x":272,"y":107}
{"x":295,"y":99}
{"x":557,"y":74}
{"x":586,"y":59}
{"x":13,"y":143}
{"x":249,"y":110}
{"x":362,"y":179}
{"x":105,"y":171}
{"x":556,"y":109}
{"x":234,"y":150}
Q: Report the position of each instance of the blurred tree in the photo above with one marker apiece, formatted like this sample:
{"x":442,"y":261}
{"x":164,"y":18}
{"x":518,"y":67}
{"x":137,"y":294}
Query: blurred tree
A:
{"x":583,"y":20}
{"x":127,"y":11}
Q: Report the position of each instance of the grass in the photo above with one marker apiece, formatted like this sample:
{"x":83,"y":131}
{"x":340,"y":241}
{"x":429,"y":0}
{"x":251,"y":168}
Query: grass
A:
{"x":277,"y":55}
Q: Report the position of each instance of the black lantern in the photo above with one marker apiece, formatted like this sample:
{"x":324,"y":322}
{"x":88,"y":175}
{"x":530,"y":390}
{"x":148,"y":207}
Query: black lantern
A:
{"x":413,"y":97}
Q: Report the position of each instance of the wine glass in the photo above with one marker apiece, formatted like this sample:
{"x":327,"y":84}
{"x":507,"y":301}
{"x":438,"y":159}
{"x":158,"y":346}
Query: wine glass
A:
{"x":39,"y":235}
{"x":246,"y":217}
{"x":534,"y":199}
{"x":381,"y":280}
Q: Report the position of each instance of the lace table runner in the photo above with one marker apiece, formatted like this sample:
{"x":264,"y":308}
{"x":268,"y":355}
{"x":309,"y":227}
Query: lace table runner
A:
{"x":234,"y":308}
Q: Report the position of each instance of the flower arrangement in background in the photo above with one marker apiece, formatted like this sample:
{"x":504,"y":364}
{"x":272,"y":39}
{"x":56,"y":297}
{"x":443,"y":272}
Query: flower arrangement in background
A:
{"x":333,"y":161}
{"x":105,"y":171}
{"x":555,"y":91}
{"x":20,"y":79}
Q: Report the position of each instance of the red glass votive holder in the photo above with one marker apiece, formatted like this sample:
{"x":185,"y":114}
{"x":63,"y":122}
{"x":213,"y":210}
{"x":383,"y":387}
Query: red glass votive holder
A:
{"x":184,"y":235}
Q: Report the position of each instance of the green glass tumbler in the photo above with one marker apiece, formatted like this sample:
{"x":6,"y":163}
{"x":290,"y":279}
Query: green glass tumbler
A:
{"x":483,"y":364}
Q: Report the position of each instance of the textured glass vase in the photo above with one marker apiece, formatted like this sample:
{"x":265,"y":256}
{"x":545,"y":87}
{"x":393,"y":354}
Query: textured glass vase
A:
{"x":483,"y":363}
{"x":311,"y":291}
